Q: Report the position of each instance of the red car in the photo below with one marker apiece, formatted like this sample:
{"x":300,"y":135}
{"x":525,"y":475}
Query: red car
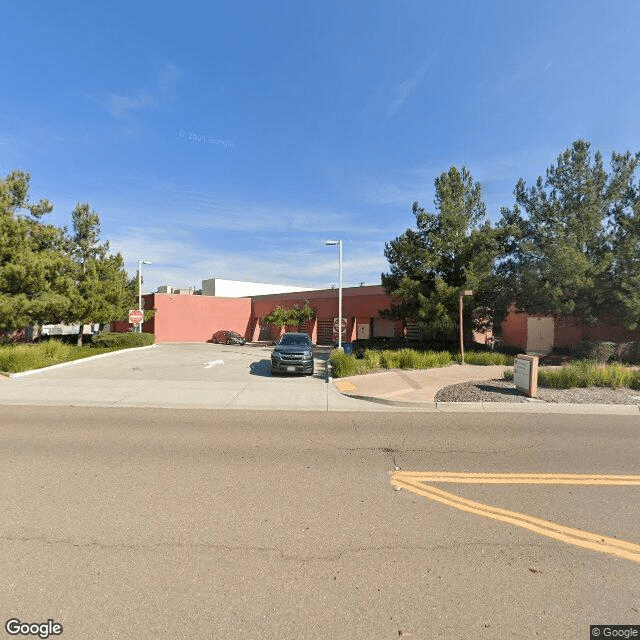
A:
{"x":227,"y":337}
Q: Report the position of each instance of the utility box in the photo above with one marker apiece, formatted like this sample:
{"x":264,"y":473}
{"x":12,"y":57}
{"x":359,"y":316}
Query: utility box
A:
{"x":525,"y":374}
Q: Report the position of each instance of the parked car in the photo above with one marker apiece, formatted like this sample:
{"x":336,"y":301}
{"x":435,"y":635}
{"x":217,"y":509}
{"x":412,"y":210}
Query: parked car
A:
{"x":293,"y":353}
{"x":227,"y":337}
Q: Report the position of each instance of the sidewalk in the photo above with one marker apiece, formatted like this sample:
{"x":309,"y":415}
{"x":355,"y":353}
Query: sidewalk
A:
{"x":418,"y":388}
{"x":413,"y":386}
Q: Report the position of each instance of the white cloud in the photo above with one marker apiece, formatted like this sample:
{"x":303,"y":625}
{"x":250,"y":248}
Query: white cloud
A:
{"x":124,"y":106}
{"x":406,"y":87}
{"x":180,"y":258}
{"x":168,"y":76}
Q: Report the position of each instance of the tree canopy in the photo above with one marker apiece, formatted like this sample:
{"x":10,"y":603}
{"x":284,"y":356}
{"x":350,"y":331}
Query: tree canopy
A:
{"x":294,"y":317}
{"x":573,"y":239}
{"x":453,"y":249}
{"x":34,"y":266}
{"x":102,"y":290}
{"x":47,"y":275}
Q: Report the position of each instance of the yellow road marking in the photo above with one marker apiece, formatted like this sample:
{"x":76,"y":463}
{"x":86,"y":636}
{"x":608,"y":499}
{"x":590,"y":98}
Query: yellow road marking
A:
{"x":414,"y":481}
{"x":519,"y":478}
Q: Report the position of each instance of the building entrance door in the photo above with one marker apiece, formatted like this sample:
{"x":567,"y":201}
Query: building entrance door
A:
{"x":540,"y":335}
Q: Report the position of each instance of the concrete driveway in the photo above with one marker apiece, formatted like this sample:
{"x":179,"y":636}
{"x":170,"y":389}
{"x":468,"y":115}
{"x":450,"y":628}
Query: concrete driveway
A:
{"x":189,"y":375}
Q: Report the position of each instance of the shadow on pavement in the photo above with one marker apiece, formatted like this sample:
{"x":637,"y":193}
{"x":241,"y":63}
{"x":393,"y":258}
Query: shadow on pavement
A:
{"x":261,"y":368}
{"x":505,"y":391}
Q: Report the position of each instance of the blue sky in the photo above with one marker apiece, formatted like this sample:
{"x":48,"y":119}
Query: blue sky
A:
{"x":231,"y":140}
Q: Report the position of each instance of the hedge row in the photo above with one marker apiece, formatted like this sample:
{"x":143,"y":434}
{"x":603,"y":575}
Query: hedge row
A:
{"x":586,"y":374}
{"x":123,"y":340}
{"x":603,"y":351}
{"x":344,"y":365}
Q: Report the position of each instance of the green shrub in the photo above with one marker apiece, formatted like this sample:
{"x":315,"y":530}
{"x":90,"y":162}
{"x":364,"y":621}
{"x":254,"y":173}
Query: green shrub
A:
{"x":410,"y":359}
{"x":388,"y":359}
{"x":588,"y":373}
{"x":54,"y":350}
{"x":486,"y":358}
{"x":342,"y":365}
{"x":590,"y":350}
{"x":436,"y":359}
{"x":123,"y":340}
{"x":25,"y":357}
{"x":371,"y":360}
{"x":10,"y":360}
{"x":629,"y":352}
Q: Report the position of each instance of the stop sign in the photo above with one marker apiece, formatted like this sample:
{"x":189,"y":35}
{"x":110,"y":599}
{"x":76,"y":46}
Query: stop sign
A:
{"x":136,"y":316}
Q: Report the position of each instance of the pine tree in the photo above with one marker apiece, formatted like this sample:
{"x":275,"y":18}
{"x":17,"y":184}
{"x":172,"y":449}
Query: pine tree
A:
{"x":33,"y":263}
{"x":564,"y":233}
{"x":449,"y":251}
{"x":102,"y":290}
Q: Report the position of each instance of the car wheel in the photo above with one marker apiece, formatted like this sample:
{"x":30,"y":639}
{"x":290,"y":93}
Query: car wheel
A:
{"x":228,"y":340}
{"x":214,"y":340}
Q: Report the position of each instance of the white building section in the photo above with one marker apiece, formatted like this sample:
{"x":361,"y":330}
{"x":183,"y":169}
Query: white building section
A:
{"x":240,"y":289}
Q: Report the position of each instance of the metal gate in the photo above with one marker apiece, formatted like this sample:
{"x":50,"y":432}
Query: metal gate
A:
{"x":265,"y":332}
{"x":414,"y":332}
{"x":325,"y":332}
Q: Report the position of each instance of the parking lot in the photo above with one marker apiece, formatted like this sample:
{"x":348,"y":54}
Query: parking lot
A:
{"x":181,"y":376}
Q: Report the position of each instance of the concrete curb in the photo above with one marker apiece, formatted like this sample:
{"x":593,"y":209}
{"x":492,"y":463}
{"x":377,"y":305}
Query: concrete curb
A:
{"x":31,"y":372}
{"x":505,"y":407}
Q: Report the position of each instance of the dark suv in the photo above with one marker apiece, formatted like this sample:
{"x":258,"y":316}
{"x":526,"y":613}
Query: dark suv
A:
{"x":293,"y":353}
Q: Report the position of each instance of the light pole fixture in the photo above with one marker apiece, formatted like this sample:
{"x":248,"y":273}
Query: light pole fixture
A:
{"x":466,"y":292}
{"x":140,"y":263}
{"x":339,"y":243}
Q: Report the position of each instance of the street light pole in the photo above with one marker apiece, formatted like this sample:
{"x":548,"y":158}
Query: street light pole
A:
{"x":339,"y":243}
{"x":140,"y":263}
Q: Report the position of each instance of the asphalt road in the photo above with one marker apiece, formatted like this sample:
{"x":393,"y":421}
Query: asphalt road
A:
{"x":165,"y":523}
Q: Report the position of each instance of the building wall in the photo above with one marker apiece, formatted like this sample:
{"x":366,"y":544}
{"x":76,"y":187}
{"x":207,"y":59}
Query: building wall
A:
{"x":568,"y":330}
{"x":180,"y":318}
{"x":360,"y":305}
{"x":238,"y":288}
{"x":513,"y":330}
{"x":612,"y":333}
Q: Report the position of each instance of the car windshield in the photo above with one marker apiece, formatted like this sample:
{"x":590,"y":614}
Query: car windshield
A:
{"x":234,"y":334}
{"x":298,"y":341}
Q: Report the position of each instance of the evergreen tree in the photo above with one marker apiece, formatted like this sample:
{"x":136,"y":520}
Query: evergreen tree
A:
{"x":563,"y":234}
{"x":451,"y":250}
{"x":625,"y":271}
{"x":102,"y":290}
{"x":33,"y":263}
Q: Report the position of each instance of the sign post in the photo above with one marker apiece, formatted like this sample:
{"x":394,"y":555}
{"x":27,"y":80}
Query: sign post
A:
{"x":339,"y":328}
{"x":466,"y":292}
{"x":525,"y":374}
{"x":136,"y":316}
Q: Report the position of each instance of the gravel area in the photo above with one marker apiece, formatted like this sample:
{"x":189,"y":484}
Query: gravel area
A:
{"x":503,"y":391}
